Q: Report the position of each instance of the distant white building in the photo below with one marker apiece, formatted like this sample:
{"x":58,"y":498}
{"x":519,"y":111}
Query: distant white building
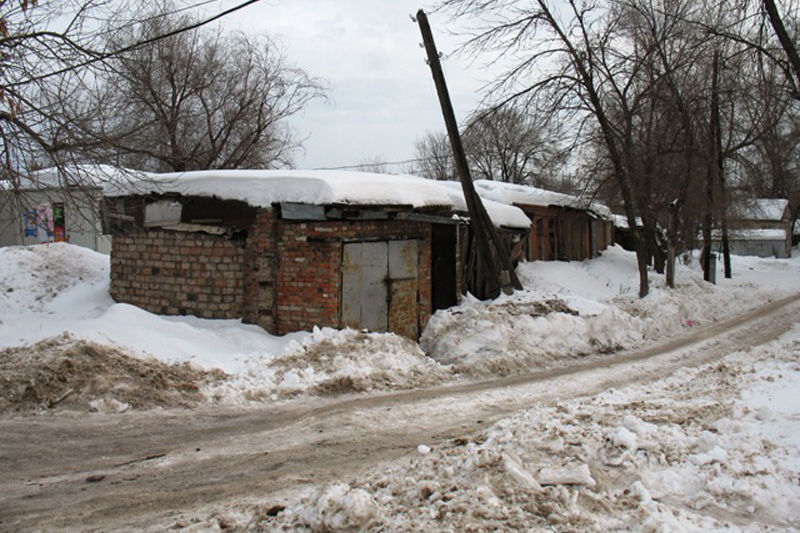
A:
{"x":760,"y":227}
{"x":50,"y":206}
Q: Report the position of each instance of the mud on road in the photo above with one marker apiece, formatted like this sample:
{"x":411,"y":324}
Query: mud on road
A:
{"x":143,"y":470}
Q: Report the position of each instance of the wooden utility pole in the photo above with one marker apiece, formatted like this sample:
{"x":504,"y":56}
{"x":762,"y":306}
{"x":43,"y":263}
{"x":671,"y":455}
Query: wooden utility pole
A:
{"x":487,"y":244}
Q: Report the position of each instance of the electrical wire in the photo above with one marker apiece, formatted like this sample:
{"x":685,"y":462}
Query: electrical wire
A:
{"x":147,"y":19}
{"x":139,"y":44}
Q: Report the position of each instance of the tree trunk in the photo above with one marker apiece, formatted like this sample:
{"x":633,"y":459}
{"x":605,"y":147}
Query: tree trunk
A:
{"x":642,"y":258}
{"x":786,"y":41}
{"x":716,"y":125}
{"x":671,"y":238}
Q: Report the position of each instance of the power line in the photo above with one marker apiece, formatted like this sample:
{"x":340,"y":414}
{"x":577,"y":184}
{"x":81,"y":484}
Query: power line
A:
{"x":152,"y":17}
{"x":379,"y":163}
{"x":108,"y":55}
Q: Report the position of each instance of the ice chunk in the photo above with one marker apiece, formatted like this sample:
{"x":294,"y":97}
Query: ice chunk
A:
{"x":518,"y":473}
{"x":714,"y":455}
{"x":567,"y":476}
{"x":338,"y":507}
{"x":624,"y":438}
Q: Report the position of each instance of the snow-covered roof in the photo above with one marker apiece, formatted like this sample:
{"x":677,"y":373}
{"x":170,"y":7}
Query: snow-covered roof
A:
{"x":764,"y":209}
{"x":513,"y":194}
{"x":769,"y":234}
{"x":262,"y":188}
{"x":621,"y":221}
{"x":73,"y":176}
{"x":501,"y":214}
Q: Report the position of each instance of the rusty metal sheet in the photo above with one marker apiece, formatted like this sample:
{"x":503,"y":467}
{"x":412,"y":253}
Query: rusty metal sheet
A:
{"x":364,"y":289}
{"x":403,"y":273}
{"x":404,"y":310}
{"x":403,"y":259}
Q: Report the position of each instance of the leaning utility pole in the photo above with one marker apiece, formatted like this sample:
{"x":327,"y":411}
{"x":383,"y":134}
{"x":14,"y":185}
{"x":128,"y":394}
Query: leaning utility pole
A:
{"x":489,"y":276}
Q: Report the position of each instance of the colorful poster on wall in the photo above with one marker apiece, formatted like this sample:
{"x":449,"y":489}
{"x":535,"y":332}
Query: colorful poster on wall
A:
{"x":29,"y":216}
{"x":44,"y":222}
{"x":59,"y":224}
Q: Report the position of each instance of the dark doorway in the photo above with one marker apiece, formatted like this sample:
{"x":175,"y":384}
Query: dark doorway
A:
{"x":443,"y":266}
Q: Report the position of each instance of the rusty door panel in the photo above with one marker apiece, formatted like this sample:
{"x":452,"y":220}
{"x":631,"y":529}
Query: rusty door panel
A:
{"x":404,"y":311}
{"x":403,"y":271}
{"x":403,"y":259}
{"x":364,"y":289}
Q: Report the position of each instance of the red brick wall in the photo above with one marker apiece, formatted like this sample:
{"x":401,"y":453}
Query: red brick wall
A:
{"x":285,"y":277}
{"x":308,"y":275}
{"x":172,"y":273}
{"x":261,"y":266}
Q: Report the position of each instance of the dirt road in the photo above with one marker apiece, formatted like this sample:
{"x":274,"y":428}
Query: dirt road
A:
{"x":140,"y":470}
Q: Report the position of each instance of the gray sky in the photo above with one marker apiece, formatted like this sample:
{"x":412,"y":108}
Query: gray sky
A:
{"x":381,"y":94}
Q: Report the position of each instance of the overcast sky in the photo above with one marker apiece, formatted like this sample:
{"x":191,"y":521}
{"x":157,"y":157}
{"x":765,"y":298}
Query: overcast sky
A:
{"x":381,"y":94}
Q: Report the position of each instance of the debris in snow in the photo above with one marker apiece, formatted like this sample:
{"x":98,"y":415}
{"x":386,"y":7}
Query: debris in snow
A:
{"x":75,"y":374}
{"x":638,"y":426}
{"x":567,"y":476}
{"x":108,"y":406}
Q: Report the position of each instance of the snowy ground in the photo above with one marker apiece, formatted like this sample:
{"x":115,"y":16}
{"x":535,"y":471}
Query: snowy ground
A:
{"x":711,"y":448}
{"x":568,"y":311}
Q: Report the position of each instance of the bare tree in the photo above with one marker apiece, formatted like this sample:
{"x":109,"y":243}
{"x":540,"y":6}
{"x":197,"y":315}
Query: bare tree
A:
{"x":433,"y":157}
{"x":376,"y":164}
{"x":40,"y":46}
{"x":578,"y":60}
{"x":501,"y":144}
{"x":199,"y":100}
{"x":512,"y":145}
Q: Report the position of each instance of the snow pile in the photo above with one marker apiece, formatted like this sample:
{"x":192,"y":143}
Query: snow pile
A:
{"x":80,"y":375}
{"x":32,"y":277}
{"x":340,"y":508}
{"x":330,"y":361}
{"x":712,"y":448}
{"x":601,"y":312}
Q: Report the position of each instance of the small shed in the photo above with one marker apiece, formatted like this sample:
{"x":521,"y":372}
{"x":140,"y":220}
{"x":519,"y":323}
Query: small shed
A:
{"x":288,"y":250}
{"x":562,"y":227}
{"x":53,"y":205}
{"x":760,"y":227}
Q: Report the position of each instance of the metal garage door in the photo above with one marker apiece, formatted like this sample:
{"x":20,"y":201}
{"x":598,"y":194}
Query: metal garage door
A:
{"x":379,"y":286}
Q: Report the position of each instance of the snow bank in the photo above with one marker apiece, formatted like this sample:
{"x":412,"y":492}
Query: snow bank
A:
{"x":600,"y":311}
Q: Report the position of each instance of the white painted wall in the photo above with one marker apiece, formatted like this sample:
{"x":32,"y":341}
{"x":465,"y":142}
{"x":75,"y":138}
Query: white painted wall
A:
{"x":81,"y":213}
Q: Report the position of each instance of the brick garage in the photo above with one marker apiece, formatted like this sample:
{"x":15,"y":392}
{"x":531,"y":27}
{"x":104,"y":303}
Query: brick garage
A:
{"x":282,"y":274}
{"x":562,"y":227}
